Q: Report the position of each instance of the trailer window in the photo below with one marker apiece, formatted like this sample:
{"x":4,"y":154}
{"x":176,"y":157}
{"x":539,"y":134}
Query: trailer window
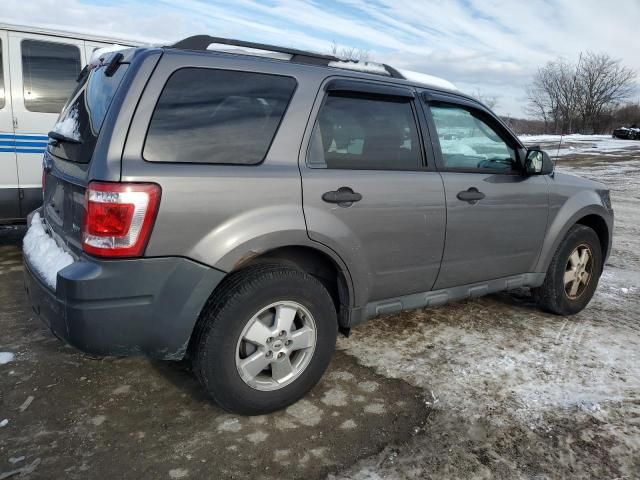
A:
{"x":1,"y":79}
{"x":49,"y":72}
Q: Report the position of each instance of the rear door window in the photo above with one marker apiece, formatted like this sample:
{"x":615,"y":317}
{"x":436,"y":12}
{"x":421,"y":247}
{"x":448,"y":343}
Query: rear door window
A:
{"x":217,"y":116}
{"x":365,"y":133}
{"x":49,"y":72}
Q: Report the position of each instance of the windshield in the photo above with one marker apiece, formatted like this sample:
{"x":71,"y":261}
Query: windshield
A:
{"x":83,"y":115}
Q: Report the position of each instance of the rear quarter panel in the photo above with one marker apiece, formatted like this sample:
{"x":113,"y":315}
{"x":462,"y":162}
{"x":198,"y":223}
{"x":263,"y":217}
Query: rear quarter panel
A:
{"x":222,"y":215}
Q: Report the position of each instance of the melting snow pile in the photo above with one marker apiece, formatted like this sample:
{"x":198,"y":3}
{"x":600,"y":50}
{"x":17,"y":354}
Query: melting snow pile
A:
{"x":6,"y":357}
{"x":43,"y":253}
{"x":68,"y":125}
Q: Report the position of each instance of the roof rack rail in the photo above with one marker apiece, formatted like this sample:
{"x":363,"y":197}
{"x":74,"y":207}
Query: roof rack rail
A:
{"x":202,"y":42}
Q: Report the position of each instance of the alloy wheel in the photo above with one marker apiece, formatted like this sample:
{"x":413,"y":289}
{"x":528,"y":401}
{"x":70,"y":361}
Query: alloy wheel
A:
{"x":578,"y":271}
{"x":276,"y":346}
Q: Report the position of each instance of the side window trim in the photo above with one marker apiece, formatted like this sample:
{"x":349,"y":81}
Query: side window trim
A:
{"x":350,"y":87}
{"x":359,"y":86}
{"x":429,"y":98}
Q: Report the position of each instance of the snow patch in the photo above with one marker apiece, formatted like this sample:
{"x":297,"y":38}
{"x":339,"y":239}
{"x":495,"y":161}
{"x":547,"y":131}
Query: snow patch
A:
{"x":43,"y":253}
{"x":577,"y":144}
{"x":68,"y":125}
{"x":123,"y":389}
{"x":97,"y":57}
{"x":428,"y":80}
{"x":178,"y":473}
{"x":257,"y":437}
{"x":368,"y":386}
{"x":375,"y":408}
{"x":230,"y":425}
{"x":335,"y":397}
{"x":306,"y":413}
{"x":348,"y":424}
{"x":366,"y":67}
{"x":6,"y":357}
{"x":99,"y":420}
{"x":4,"y":422}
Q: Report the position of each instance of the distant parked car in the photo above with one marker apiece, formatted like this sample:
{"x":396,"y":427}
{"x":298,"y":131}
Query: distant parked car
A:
{"x":629,"y":133}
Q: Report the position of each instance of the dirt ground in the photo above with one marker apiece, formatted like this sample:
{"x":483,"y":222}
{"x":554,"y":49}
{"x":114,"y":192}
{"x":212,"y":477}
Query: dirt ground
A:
{"x":487,"y":388}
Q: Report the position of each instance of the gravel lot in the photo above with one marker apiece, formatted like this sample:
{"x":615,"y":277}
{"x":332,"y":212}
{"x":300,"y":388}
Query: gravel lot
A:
{"x":487,"y":388}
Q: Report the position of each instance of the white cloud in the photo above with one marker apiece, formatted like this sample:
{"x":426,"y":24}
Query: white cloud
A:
{"x":491,"y":45}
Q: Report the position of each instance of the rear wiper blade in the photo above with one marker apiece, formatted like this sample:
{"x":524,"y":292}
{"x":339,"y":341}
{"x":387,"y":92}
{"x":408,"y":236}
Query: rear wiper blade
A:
{"x":59,"y":137}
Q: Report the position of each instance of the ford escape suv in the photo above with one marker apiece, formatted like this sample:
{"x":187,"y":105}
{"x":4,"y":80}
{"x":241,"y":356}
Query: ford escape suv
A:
{"x":242,"y":209}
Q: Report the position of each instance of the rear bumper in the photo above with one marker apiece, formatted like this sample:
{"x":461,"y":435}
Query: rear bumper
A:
{"x":125,"y":307}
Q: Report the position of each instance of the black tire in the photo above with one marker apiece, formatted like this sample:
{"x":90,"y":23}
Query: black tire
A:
{"x":552,"y":296}
{"x":233,"y":304}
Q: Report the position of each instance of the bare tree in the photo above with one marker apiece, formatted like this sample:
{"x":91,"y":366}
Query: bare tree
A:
{"x":490,"y":101}
{"x":539,"y":105}
{"x":579,"y":95}
{"x":349,"y":53}
{"x":604,"y":84}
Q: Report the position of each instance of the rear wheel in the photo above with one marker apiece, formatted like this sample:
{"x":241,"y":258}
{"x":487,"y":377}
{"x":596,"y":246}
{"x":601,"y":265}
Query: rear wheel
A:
{"x":573,"y":274}
{"x":264,"y":339}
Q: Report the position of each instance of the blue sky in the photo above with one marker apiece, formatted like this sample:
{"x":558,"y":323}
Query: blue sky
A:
{"x":487,"y":46}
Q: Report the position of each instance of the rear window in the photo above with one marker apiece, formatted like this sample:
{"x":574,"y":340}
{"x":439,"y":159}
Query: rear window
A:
{"x":217,"y":116}
{"x":84,"y":114}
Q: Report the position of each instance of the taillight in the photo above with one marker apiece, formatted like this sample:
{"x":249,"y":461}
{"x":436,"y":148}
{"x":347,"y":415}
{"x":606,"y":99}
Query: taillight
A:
{"x":119,"y":218}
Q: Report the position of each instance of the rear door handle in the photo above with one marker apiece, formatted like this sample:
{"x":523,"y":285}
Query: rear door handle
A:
{"x":344,"y":196}
{"x":472,"y":195}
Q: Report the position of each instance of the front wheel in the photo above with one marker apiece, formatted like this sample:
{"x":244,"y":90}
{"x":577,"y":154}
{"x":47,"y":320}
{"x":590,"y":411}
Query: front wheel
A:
{"x":573,"y":274}
{"x":264,"y":339}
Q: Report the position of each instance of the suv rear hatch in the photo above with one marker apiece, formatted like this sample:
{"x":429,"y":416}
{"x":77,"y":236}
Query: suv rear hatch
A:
{"x":70,"y":153}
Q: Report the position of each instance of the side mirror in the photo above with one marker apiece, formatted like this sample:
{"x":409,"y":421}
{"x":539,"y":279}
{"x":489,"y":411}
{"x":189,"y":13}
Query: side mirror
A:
{"x":537,"y":162}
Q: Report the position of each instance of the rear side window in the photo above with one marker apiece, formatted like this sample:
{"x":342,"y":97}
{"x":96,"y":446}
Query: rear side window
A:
{"x":365,"y":133}
{"x":217,"y":116}
{"x":2,"y":101}
{"x":49,"y":72}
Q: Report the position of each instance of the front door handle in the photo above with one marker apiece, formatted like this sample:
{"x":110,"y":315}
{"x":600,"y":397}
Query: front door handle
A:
{"x":472,"y":195}
{"x":344,"y":197}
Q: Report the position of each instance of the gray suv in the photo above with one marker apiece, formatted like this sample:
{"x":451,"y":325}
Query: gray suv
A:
{"x":241,"y":210}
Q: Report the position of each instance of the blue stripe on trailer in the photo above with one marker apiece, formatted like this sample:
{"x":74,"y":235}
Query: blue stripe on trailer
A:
{"x":30,"y":144}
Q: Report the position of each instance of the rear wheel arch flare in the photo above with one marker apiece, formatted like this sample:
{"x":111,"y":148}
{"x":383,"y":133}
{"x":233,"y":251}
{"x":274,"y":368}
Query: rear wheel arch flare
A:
{"x":316,"y":263}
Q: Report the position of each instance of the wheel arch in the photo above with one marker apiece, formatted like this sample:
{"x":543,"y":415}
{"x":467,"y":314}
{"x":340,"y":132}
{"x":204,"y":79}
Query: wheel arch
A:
{"x":314,"y":260}
{"x":592,"y":215}
{"x":599,"y":225}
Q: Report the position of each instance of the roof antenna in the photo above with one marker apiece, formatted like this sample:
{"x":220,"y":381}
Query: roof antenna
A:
{"x":555,"y":162}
